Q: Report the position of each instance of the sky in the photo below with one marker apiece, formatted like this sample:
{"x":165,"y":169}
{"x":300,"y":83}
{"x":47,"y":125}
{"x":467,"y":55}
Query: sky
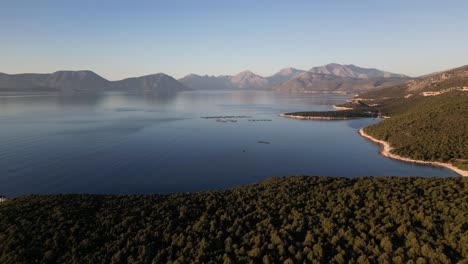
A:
{"x":119,"y":39}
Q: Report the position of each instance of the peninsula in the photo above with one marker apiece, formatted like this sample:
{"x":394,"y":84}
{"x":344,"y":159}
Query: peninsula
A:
{"x":422,"y":129}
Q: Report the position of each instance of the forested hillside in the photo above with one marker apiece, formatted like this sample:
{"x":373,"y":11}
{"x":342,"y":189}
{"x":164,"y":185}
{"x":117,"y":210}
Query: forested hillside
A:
{"x":433,"y":129}
{"x":429,"y":117}
{"x":282,"y":220}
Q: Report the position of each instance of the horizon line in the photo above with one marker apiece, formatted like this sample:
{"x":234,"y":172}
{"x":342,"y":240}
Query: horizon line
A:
{"x":220,"y":75}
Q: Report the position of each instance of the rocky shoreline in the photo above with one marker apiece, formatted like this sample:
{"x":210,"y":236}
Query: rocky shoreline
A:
{"x":386,"y":152}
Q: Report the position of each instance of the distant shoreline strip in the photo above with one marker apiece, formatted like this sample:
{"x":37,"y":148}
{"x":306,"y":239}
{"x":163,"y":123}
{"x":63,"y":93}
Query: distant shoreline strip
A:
{"x":386,"y":152}
{"x":342,"y":108}
{"x":314,"y":117}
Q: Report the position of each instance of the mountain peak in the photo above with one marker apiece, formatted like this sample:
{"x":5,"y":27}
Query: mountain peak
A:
{"x":246,"y":73}
{"x":283,"y":75}
{"x":248,"y":79}
{"x":192,"y":75}
{"x":156,"y":75}
{"x":288,"y":71}
{"x":79,"y":73}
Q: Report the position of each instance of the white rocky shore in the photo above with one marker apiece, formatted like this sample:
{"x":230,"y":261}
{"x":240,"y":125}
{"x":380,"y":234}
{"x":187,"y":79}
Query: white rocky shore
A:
{"x":386,"y":151}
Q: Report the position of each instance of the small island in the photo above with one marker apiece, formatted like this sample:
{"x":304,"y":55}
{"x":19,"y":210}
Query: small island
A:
{"x":334,"y":115}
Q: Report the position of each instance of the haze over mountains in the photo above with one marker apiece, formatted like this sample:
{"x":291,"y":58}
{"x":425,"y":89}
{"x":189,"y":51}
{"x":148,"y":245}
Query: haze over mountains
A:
{"x":284,"y":75}
{"x":319,"y":82}
{"x":242,"y":80}
{"x":158,"y":83}
{"x":328,"y":78}
{"x":207,"y":82}
{"x":75,"y":80}
{"x":87,"y":81}
{"x":249,"y":80}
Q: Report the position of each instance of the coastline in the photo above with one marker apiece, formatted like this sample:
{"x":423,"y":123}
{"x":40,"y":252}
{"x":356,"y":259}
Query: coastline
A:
{"x":386,"y":152}
{"x":342,"y":108}
{"x":313,"y":117}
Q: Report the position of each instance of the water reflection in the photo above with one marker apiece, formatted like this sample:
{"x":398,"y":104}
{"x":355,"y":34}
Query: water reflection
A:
{"x":129,"y":143}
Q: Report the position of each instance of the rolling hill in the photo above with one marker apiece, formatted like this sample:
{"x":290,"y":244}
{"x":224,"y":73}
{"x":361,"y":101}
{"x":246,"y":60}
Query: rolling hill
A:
{"x":424,"y":86}
{"x":24,"y":82}
{"x":354,"y":71}
{"x":428,"y":117}
{"x":433,"y":128}
{"x":159,"y":83}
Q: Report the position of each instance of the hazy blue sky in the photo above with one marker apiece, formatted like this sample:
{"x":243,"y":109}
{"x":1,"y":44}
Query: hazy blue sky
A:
{"x":118,"y":39}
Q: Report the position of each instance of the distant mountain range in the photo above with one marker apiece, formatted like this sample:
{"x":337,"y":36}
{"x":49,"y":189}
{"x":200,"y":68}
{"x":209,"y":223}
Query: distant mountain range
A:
{"x":319,"y":82}
{"x":88,"y":81}
{"x":328,"y":78}
{"x":244,"y":80}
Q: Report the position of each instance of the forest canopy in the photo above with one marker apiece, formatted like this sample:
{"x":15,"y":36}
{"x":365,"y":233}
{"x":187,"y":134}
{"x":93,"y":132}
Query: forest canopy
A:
{"x":281,"y":220}
{"x":433,"y":128}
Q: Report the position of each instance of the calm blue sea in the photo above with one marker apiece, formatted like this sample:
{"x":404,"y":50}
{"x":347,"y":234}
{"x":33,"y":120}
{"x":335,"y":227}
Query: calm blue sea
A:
{"x":119,"y":143}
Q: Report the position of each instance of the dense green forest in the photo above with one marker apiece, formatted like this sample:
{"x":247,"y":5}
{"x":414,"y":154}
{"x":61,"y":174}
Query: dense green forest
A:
{"x":431,"y":128}
{"x":281,"y":220}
